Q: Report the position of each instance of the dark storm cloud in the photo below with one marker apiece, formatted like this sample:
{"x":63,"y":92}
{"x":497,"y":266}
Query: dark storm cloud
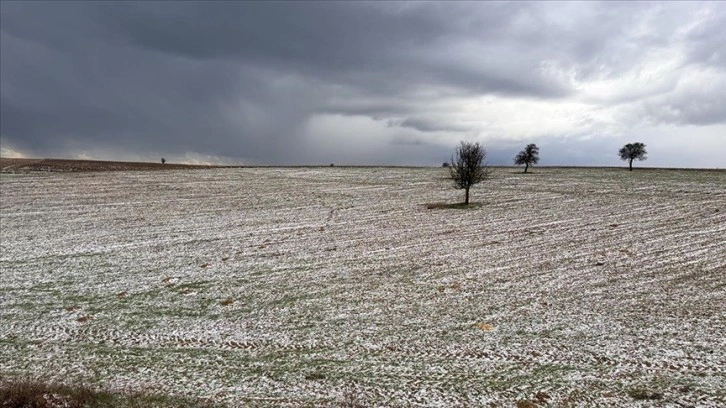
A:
{"x":384,"y":48}
{"x":299,"y":82}
{"x":428,"y":125}
{"x":61,"y":84}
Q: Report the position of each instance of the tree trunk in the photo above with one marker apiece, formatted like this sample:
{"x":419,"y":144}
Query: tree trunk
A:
{"x":466,"y":200}
{"x":631,"y":164}
{"x":526,"y":166}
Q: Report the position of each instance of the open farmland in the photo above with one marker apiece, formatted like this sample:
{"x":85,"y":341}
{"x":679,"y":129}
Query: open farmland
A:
{"x":337,"y":286}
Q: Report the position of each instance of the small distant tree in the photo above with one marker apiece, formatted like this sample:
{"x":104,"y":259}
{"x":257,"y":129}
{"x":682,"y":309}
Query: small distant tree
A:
{"x":163,"y":160}
{"x":468,"y":167}
{"x":528,"y":156}
{"x":633,"y":151}
{"x":446,"y":164}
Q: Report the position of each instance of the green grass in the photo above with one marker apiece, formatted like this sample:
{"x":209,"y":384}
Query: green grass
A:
{"x":645,"y":394}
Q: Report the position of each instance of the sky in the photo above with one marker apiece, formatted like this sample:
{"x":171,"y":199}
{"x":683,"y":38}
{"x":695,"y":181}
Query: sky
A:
{"x":370,"y":83}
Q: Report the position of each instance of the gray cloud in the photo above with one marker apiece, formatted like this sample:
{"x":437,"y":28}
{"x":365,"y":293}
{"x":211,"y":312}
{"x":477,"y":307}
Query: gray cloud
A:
{"x":428,"y":125}
{"x":302,"y":82}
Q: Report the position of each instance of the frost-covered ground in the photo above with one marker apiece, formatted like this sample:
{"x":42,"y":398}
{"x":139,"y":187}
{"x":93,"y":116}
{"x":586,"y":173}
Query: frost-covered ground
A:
{"x":334,"y":286}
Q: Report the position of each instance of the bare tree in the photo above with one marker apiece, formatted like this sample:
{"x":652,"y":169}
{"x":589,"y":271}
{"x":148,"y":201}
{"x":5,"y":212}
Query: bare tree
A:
{"x":468,"y":167}
{"x":633,"y":151}
{"x":528,"y":156}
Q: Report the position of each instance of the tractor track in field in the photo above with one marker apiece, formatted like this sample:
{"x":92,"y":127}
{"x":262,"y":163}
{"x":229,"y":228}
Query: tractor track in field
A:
{"x":294,"y":286}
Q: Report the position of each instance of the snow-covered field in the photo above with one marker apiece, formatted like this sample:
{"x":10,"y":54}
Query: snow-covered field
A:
{"x":337,"y":286}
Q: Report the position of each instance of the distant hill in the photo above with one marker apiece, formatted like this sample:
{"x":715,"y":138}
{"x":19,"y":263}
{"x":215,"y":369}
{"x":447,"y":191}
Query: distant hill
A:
{"x":8,"y":165}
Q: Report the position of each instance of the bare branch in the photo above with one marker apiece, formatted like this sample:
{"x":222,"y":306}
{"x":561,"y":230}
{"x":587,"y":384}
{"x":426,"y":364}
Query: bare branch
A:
{"x":468,"y":167}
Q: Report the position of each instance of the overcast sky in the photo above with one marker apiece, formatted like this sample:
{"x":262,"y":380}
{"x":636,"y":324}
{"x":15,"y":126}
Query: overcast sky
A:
{"x":363,"y":83}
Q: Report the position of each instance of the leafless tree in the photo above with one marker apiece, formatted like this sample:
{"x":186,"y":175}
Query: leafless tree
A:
{"x":633,"y":151}
{"x":528,"y":156}
{"x":467,"y":166}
